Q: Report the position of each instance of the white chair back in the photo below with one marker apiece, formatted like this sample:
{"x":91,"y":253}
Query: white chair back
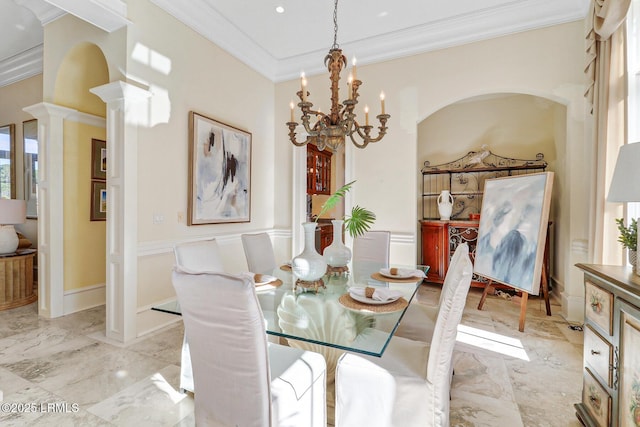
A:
{"x":226,"y":332}
{"x":199,"y":256}
{"x":259,"y":253}
{"x":370,"y":253}
{"x":439,"y":366}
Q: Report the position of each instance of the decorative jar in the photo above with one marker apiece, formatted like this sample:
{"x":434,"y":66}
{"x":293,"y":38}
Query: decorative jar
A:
{"x":337,"y":254}
{"x":309,"y":265}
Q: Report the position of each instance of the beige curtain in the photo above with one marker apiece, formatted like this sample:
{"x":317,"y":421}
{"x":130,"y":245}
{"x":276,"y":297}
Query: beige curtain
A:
{"x":606,"y":95}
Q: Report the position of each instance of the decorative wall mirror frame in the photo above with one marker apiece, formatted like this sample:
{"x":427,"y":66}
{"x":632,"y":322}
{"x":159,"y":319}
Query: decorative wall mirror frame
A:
{"x":8,"y":161}
{"x":30,"y":158}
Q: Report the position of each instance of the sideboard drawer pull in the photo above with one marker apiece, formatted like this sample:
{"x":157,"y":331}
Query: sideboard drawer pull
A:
{"x":594,"y":352}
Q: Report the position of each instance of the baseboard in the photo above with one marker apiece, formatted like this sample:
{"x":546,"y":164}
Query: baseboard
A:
{"x":84,"y":298}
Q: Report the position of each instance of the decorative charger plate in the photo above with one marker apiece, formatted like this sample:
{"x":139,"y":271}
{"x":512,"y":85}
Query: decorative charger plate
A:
{"x":400,"y":273}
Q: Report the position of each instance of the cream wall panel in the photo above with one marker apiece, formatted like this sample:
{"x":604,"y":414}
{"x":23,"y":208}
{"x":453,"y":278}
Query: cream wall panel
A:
{"x":186,"y":72}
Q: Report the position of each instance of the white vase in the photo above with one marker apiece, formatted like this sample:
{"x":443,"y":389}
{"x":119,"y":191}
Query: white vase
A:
{"x":309,"y":264}
{"x":445,"y":205}
{"x":337,"y":254}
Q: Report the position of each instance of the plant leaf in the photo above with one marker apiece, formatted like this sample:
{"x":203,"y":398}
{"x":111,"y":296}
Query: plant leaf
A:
{"x":333,"y":200}
{"x":360,"y":221}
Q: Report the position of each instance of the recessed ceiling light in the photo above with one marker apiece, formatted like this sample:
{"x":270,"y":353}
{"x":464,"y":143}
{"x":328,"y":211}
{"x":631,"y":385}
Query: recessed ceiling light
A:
{"x":280,"y":9}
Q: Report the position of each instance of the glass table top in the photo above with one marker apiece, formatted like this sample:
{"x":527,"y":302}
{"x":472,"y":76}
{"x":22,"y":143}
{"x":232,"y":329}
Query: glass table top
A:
{"x":329,"y":317}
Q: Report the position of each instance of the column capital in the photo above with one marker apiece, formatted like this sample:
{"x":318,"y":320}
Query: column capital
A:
{"x":47,"y":110}
{"x":120,"y":91}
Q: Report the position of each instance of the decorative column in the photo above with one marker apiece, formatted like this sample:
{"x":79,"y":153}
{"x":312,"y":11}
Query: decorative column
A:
{"x":122,"y":99}
{"x":50,"y":206}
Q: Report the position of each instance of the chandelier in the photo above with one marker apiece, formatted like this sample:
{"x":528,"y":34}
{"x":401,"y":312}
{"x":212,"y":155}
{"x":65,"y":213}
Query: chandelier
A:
{"x":330,"y":129}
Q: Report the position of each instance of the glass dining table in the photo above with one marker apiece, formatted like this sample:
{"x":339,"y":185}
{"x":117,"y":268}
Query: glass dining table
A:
{"x":331,"y":318}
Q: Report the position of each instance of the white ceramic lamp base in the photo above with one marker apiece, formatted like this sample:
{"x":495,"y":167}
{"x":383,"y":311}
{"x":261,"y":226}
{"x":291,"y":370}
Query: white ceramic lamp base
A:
{"x":8,"y":239}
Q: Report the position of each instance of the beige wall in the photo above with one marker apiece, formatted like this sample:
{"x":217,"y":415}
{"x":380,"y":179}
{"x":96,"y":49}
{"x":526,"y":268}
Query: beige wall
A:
{"x":186,"y":72}
{"x":545,"y":62}
{"x":13,"y":98}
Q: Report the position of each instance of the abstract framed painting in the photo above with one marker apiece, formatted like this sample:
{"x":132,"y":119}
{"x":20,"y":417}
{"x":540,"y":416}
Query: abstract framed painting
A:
{"x":512,"y":230}
{"x":219,"y":172}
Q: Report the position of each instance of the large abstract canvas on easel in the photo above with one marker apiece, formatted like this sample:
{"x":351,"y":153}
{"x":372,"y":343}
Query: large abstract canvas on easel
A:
{"x":512,"y":230}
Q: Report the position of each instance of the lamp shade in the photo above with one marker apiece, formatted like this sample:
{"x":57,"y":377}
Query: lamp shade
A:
{"x":625,"y":184}
{"x":12,"y":211}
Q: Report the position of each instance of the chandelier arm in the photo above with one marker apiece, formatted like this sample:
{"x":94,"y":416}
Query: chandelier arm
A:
{"x":292,"y":136}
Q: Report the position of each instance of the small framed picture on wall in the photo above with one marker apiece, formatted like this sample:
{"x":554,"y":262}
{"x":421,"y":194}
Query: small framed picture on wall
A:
{"x":98,"y":159}
{"x":98,"y":201}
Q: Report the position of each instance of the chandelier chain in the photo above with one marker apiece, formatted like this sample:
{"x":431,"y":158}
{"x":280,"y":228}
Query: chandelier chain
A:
{"x":335,"y":25}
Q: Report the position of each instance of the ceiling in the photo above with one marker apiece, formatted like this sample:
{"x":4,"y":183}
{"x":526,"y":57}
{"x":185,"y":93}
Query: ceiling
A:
{"x":281,"y":45}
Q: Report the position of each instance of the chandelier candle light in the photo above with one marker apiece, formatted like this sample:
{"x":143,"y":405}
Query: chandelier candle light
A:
{"x":331,"y":129}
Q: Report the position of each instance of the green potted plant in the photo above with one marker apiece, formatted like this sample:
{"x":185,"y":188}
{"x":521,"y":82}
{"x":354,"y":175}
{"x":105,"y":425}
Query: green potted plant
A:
{"x":358,"y":223}
{"x":629,"y":238}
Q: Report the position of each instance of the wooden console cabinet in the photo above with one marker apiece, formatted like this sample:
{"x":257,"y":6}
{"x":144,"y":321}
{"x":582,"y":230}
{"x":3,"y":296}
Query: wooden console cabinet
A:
{"x":16,"y":279}
{"x":440,"y":240}
{"x":611,"y":367}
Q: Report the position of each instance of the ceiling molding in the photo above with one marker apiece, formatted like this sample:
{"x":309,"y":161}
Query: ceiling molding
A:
{"x":21,"y":66}
{"x":463,"y":29}
{"x":207,"y":22}
{"x":44,"y":11}
{"x":108,"y":15}
{"x":498,"y":21}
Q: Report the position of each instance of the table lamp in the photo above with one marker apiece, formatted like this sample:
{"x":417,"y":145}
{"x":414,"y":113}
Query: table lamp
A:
{"x":625,"y":184}
{"x":11,"y":212}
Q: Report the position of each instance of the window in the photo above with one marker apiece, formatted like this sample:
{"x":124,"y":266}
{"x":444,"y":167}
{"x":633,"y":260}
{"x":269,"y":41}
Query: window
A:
{"x":7,"y":162}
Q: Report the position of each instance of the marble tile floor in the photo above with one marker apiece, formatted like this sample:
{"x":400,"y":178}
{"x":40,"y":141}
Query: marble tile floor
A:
{"x":59,"y":374}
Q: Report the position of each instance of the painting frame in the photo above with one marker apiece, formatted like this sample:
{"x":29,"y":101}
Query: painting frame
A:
{"x":98,"y":159}
{"x":629,"y":366}
{"x":219,"y":172}
{"x":512,"y":230}
{"x":98,"y":201}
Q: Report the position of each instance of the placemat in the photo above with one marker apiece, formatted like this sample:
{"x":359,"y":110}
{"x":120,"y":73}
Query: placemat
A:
{"x":352,"y":304}
{"x":378,"y":276}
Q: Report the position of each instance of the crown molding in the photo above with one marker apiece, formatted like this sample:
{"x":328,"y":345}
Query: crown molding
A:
{"x":510,"y":18}
{"x":21,"y":66}
{"x":44,"y":11}
{"x":207,"y":22}
{"x":513,"y":17}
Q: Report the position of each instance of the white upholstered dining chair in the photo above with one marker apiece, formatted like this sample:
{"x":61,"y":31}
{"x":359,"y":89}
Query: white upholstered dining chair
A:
{"x":200,"y":256}
{"x":203,"y":255}
{"x":370,"y":250}
{"x":240,"y":379}
{"x":420,"y":319}
{"x":259,"y":252}
{"x":410,"y":384}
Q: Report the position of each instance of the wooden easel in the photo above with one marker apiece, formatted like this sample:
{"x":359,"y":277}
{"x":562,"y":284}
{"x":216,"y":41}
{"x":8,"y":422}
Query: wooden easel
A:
{"x":544,"y":285}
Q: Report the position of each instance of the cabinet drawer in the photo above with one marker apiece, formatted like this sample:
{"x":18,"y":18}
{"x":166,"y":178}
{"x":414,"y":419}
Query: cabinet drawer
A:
{"x":599,"y":307}
{"x":596,"y":399}
{"x":598,"y":354}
